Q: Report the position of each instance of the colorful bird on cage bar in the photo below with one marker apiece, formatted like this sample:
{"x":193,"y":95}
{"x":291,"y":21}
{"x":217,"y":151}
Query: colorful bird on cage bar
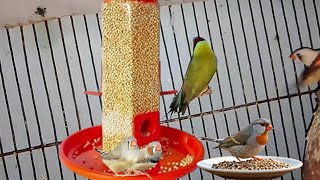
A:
{"x":201,"y":69}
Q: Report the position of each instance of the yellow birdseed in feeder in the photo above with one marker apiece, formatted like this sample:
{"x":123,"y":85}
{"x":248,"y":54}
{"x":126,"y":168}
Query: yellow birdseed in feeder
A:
{"x":130,"y":66}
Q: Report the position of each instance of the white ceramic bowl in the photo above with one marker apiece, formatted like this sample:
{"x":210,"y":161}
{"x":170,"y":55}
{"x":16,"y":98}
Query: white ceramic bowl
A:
{"x":248,"y":174}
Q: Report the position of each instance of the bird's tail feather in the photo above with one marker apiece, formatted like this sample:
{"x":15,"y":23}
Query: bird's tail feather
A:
{"x":211,"y":139}
{"x":101,"y":152}
{"x":177,"y":104}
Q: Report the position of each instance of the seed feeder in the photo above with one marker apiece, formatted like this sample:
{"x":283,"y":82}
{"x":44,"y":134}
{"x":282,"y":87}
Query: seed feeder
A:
{"x":130,"y":95}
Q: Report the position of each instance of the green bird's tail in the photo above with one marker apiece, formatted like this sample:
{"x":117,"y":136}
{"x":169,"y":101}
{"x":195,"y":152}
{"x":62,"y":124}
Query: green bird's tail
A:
{"x":178,"y":104}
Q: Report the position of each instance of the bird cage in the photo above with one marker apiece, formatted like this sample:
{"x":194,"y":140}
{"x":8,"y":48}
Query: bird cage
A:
{"x":47,"y":64}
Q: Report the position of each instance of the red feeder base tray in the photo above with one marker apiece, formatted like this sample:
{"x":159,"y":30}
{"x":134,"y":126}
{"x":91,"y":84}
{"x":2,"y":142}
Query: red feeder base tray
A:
{"x":77,"y":153}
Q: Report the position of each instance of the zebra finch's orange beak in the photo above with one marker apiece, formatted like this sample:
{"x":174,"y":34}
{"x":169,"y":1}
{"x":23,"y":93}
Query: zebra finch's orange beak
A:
{"x":269,"y":127}
{"x":158,"y":148}
{"x":292,"y":56}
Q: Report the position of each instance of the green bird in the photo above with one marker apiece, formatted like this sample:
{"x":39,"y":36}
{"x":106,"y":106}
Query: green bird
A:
{"x":201,"y":69}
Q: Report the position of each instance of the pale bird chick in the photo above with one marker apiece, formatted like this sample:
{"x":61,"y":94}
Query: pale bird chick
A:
{"x":122,"y":157}
{"x":149,"y":157}
{"x":247,"y":142}
{"x":311,"y":58}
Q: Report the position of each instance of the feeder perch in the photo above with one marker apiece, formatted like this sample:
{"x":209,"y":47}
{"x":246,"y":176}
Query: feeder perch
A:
{"x":130,"y":88}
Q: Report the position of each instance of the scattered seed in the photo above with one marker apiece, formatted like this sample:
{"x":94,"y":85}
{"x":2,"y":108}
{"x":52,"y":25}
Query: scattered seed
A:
{"x":186,"y":161}
{"x":164,"y":139}
{"x":87,"y":144}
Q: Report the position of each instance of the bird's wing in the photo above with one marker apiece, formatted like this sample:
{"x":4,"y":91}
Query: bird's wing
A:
{"x":198,"y":75}
{"x":316,"y":62}
{"x":142,"y":166}
{"x":312,"y":74}
{"x":112,"y":155}
{"x":240,"y":138}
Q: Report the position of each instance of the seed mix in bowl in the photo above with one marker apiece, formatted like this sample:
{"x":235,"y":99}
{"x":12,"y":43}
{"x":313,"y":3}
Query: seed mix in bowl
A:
{"x":252,"y":164}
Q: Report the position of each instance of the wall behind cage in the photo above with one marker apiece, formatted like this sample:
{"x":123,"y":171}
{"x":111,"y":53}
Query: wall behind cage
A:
{"x":45,"y":67}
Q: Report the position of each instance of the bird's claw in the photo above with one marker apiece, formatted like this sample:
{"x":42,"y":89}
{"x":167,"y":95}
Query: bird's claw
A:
{"x":208,"y":91}
{"x":131,"y":172}
{"x":256,"y":158}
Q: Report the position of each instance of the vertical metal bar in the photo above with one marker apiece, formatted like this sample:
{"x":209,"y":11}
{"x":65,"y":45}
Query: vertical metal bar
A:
{"x":301,"y":106}
{"x":210,"y":98}
{"x":316,"y":13}
{"x":69,"y":73}
{"x":33,"y":100}
{"x":180,"y":67}
{"x":300,"y":44}
{"x":249,"y":59}
{"x":263,"y":75}
{"x":175,"y":41}
{"x":99,"y":27}
{"x":190,"y":55}
{"x":307,"y":21}
{"x":70,"y":79}
{"x":3,"y":159}
{"x":222,"y":102}
{"x":310,"y":40}
{"x":92,"y":59}
{"x":311,"y":43}
{"x":21,"y":100}
{"x":179,"y":62}
{"x":81,"y":69}
{"x":10,"y":121}
{"x":164,"y":106}
{"x":273,"y":72}
{"x":199,"y":101}
{"x":169,"y":65}
{"x":287,"y":88}
{"x":227,"y":65}
{"x":250,"y":65}
{"x":47,"y":94}
{"x":58,"y":85}
{"x":238,"y":64}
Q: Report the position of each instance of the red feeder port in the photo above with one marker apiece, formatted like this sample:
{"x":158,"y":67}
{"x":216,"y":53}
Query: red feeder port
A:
{"x":146,"y":127}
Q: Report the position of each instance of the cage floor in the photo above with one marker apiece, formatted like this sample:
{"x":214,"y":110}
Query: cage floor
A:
{"x":45,"y":67}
